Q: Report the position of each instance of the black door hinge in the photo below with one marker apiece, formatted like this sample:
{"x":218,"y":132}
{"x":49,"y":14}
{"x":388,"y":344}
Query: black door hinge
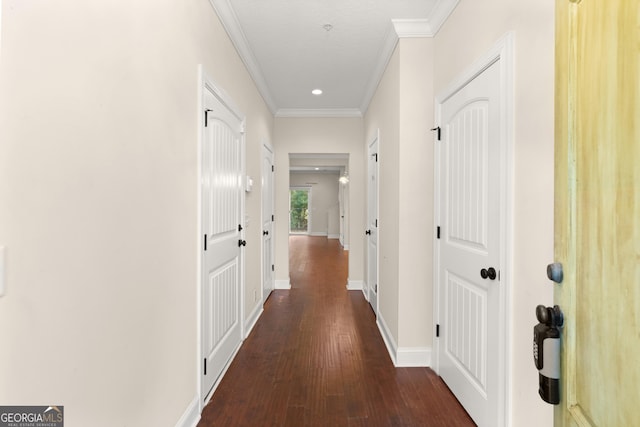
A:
{"x":273,"y":218}
{"x":239,"y":227}
{"x":205,"y":366}
{"x":376,"y":157}
{"x":205,"y":242}
{"x":438,"y":232}
{"x":437,"y":330}
{"x":437,"y":129}
{"x":273,"y":267}
{"x":273,"y":168}
{"x":206,"y":117}
{"x":376,"y":223}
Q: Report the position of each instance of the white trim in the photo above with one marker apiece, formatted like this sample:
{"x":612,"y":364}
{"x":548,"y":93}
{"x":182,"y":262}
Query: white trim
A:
{"x":323,"y":112}
{"x":251,"y":321}
{"x":384,"y":56}
{"x":387,"y":337}
{"x":398,"y":28}
{"x":413,"y":357}
{"x":440,"y":13}
{"x":365,"y":290}
{"x":282,"y":284}
{"x":198,"y":242}
{"x":354,"y":285}
{"x":316,"y":233}
{"x":230,"y":22}
{"x":412,"y":28}
{"x":502,"y":51}
{"x":333,"y":236}
{"x":401,"y":28}
{"x":191,"y":415}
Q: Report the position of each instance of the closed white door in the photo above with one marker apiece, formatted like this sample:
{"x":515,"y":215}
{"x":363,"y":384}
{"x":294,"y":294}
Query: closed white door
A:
{"x":372,"y":226}
{"x":222,"y":273}
{"x":267,"y":222}
{"x":469,"y":252}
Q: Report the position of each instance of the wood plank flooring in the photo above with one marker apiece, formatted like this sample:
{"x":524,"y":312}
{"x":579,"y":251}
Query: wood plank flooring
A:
{"x":316,"y":358}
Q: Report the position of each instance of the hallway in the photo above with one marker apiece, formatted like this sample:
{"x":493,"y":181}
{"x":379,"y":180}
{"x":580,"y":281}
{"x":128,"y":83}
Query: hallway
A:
{"x":316,"y":358}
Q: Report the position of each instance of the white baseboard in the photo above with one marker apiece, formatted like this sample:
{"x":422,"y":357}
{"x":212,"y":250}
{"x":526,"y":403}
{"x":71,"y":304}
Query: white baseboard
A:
{"x":282,"y":284}
{"x":354,"y":285}
{"x":403,"y":357}
{"x":413,"y":357}
{"x":333,"y":236}
{"x":387,"y":337}
{"x":318,"y":233}
{"x":252,"y":320}
{"x":191,"y":415}
{"x":345,"y":247}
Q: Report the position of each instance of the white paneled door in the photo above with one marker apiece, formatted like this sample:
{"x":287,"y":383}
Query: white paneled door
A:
{"x":372,"y":226}
{"x":222,"y":273}
{"x":469,"y":222}
{"x":267,"y":222}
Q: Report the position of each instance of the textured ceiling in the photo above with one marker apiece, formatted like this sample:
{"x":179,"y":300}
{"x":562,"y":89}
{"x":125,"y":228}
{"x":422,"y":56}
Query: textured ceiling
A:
{"x":290,"y":49}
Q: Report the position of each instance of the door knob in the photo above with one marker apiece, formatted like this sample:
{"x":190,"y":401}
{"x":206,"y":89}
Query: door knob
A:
{"x":368,"y":232}
{"x":242,"y":243}
{"x":488,"y":273}
{"x":265,"y":233}
{"x":554,"y":272}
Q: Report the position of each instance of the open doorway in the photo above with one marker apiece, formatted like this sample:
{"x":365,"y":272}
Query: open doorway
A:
{"x":318,"y":192}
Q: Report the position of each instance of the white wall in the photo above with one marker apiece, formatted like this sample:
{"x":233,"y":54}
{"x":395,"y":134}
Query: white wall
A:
{"x":319,"y":136}
{"x":533,"y":23}
{"x":402,"y":109}
{"x":324,"y":200}
{"x":99,"y":184}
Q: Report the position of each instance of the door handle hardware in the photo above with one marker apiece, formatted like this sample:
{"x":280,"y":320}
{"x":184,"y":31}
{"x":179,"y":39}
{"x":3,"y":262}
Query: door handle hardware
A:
{"x":242,"y":243}
{"x":368,"y":232}
{"x":488,"y":273}
{"x":554,"y":272}
{"x":265,"y":233}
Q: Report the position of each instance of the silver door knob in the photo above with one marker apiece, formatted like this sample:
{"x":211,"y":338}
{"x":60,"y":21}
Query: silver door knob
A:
{"x":554,"y":272}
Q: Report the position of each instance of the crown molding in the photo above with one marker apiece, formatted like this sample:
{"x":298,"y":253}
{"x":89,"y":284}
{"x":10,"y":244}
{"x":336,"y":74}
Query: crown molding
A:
{"x":384,"y":56}
{"x":399,"y":28}
{"x":402,"y":28}
{"x":405,"y":28}
{"x":232,"y":26}
{"x":440,"y":13}
{"x":321,"y":112}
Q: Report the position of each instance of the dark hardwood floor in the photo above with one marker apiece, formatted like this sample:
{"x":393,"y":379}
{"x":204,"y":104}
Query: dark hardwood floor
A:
{"x":316,"y":358}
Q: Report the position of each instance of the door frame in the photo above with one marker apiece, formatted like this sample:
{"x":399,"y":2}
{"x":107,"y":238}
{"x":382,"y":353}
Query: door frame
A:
{"x":206,"y":83}
{"x":266,"y":146}
{"x":376,"y":208}
{"x":502,"y":52}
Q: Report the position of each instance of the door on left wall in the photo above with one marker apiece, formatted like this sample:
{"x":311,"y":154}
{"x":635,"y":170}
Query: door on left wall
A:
{"x":222,"y":270}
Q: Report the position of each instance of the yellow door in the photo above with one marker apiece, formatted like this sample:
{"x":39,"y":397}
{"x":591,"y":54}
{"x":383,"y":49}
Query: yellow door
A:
{"x":597,"y":210}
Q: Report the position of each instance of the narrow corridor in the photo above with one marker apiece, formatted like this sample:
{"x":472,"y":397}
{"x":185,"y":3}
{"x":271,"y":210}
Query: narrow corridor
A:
{"x":316,"y":358}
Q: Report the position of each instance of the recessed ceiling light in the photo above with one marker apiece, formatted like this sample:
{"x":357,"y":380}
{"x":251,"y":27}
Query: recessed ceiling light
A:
{"x":317,"y":169}
{"x":317,"y":91}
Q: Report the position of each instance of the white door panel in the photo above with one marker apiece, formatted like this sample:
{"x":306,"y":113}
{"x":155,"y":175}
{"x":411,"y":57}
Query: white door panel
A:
{"x":221,"y":219}
{"x":267,"y":222}
{"x":372,"y":226}
{"x":469,"y":243}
